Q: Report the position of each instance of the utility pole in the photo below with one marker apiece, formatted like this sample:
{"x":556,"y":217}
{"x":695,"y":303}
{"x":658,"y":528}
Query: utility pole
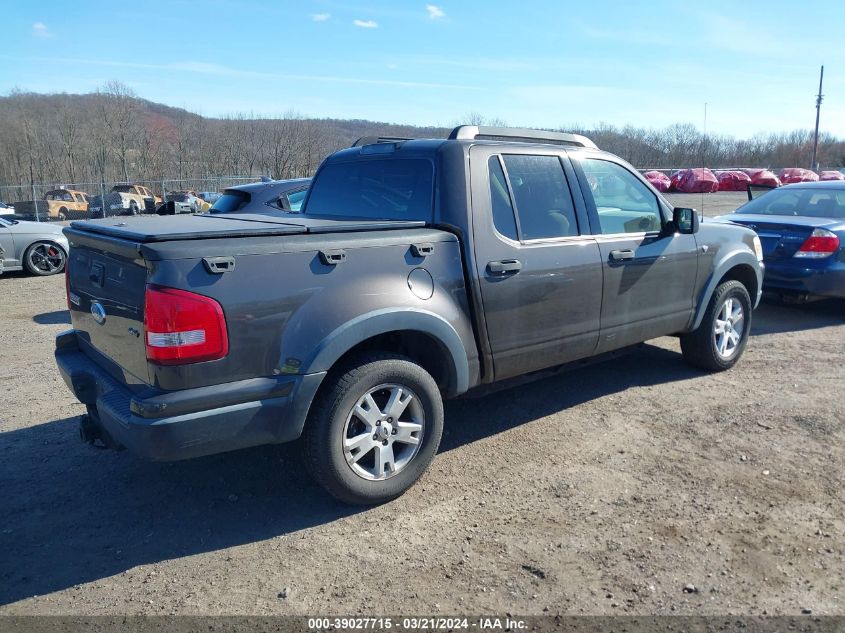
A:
{"x":819,"y":98}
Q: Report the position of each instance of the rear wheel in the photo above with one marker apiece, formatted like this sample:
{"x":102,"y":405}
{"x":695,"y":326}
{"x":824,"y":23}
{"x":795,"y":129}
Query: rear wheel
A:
{"x":720,"y":339}
{"x":44,"y":258}
{"x":133,"y":208}
{"x":374,"y":428}
{"x":62,"y":214}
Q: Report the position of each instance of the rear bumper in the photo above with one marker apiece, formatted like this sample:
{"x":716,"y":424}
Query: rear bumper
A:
{"x":167,"y":426}
{"x":792,"y":277}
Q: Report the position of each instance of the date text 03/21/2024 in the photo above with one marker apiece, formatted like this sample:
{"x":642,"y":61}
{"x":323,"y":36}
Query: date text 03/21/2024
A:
{"x":416,"y":623}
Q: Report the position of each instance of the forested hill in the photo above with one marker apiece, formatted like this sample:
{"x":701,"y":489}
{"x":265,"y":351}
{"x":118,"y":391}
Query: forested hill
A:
{"x":114,"y":135}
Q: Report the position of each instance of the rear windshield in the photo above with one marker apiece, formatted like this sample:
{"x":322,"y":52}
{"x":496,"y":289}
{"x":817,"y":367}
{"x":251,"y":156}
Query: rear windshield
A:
{"x":230,"y":202}
{"x":815,"y":202}
{"x":393,"y":189}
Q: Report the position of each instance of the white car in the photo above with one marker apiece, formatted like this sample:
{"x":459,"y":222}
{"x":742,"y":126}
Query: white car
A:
{"x":40,"y":248}
{"x":6,"y":209}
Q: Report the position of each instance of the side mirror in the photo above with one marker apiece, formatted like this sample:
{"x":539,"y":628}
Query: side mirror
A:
{"x":685,"y":220}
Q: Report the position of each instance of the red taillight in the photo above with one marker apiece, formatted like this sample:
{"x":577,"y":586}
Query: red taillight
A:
{"x":182,"y":327}
{"x":821,"y":243}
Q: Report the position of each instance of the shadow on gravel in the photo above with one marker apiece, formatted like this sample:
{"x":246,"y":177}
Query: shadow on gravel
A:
{"x":470,"y":419}
{"x":70,"y":514}
{"x":59,"y":317}
{"x":774,"y":317}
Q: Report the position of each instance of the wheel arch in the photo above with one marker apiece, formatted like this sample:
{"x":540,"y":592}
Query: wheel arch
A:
{"x":423,"y":336}
{"x":738,"y":266}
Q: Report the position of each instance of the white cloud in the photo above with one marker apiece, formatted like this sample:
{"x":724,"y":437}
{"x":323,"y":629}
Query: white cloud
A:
{"x":320,"y":17}
{"x":365,"y":24}
{"x":392,"y":66}
{"x":39,"y":29}
{"x":435,"y":12}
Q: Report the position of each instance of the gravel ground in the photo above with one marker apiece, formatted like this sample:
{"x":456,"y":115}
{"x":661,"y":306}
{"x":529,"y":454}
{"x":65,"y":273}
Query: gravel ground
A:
{"x":640,"y":486}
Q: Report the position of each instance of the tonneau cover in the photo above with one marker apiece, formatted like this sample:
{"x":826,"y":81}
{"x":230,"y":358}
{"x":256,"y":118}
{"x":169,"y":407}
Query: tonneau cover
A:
{"x":191,"y":227}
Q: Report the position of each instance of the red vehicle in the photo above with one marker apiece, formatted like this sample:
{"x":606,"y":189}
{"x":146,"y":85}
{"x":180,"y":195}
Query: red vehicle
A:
{"x":831,"y":175}
{"x":763,"y":177}
{"x":797,"y":174}
{"x":733,"y":180}
{"x":698,"y":180}
{"x":658,"y":180}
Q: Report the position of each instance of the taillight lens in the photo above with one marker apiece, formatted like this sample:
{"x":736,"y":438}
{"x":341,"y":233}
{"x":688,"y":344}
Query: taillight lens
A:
{"x":821,"y":243}
{"x":183,"y":327}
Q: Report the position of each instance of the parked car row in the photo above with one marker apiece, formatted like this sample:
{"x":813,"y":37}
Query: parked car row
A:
{"x":40,"y":248}
{"x":703,"y":180}
{"x":122,"y":199}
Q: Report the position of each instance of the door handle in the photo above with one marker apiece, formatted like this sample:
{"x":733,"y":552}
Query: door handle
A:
{"x":623,"y":255}
{"x":504,"y":267}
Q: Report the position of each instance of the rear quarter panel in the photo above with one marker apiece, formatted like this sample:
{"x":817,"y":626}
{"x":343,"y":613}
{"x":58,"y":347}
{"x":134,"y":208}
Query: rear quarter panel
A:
{"x":283,"y":305}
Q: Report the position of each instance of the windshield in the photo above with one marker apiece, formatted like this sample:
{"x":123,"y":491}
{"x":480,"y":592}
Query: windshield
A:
{"x":230,"y":202}
{"x":817,"y":203}
{"x":393,"y":189}
{"x":124,"y":188}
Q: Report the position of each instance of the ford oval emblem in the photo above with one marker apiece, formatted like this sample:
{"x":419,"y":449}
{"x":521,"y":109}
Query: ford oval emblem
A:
{"x":98,"y":312}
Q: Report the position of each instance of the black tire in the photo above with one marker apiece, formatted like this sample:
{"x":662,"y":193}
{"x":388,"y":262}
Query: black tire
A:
{"x":62,"y":214}
{"x":699,"y":347}
{"x":56,"y":264}
{"x":133,"y":208}
{"x":327,"y":426}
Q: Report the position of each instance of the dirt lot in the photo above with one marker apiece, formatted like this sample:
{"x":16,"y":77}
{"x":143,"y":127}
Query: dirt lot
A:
{"x":602,"y":491}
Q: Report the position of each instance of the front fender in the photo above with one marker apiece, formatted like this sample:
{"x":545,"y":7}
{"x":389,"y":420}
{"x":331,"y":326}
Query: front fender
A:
{"x":371,"y":324}
{"x":735,"y":257}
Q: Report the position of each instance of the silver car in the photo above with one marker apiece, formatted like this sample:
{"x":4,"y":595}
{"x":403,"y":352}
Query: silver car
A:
{"x":37,"y":247}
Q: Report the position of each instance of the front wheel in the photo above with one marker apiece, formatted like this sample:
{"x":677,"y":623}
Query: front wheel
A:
{"x":720,"y":339}
{"x":374,"y":428}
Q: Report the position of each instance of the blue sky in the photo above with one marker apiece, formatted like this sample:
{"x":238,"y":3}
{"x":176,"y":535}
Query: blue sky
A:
{"x":532,"y":63}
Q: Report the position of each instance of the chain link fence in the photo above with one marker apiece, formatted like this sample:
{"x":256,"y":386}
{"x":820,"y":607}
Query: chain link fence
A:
{"x":74,"y":201}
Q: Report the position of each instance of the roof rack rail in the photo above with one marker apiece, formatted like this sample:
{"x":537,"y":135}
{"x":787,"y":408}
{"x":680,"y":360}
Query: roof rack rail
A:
{"x":372,"y":140}
{"x":475,"y":132}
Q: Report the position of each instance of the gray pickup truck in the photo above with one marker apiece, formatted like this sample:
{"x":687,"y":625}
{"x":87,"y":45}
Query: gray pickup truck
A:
{"x":419,"y":269}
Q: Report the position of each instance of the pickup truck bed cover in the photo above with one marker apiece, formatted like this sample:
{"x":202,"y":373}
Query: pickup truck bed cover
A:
{"x":193,"y":227}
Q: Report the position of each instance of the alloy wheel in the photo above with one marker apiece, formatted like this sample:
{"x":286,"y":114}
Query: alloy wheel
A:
{"x":383,"y":432}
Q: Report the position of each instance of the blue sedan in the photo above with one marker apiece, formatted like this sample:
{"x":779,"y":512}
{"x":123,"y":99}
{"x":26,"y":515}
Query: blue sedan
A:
{"x":802,"y":229}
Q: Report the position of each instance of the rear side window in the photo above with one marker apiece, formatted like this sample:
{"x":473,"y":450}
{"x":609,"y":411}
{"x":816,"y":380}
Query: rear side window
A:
{"x":394,"y":189}
{"x":500,"y":200}
{"x":230,"y":202}
{"x":543,"y":200}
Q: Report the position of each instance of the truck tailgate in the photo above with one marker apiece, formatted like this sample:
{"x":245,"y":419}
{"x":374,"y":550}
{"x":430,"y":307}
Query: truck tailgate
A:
{"x":106,"y":284}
